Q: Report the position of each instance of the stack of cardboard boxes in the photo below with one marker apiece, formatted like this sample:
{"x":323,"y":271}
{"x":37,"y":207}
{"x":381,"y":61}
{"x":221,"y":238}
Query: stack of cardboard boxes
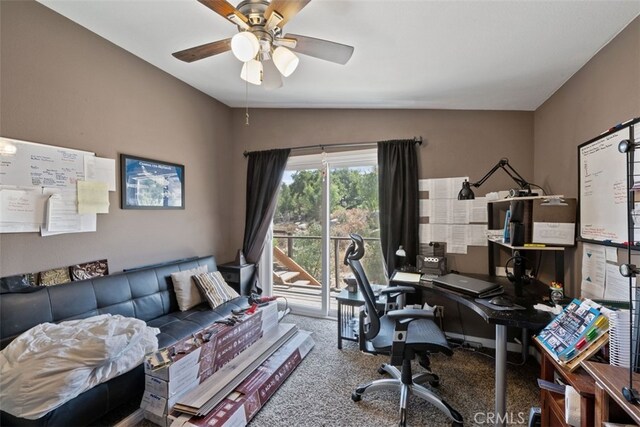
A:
{"x":241,"y":405}
{"x":196,"y":358}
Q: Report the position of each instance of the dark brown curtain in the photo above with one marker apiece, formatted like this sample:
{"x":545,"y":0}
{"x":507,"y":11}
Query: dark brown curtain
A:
{"x":264,"y":174}
{"x":398,"y":194}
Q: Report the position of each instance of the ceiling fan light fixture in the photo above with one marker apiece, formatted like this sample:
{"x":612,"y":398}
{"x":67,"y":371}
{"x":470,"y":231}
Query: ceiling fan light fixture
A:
{"x":285,"y":60}
{"x":252,"y":72}
{"x":274,"y":19}
{"x":245,"y":46}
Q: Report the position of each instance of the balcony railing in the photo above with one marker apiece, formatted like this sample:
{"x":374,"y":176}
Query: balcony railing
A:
{"x":337,"y":254}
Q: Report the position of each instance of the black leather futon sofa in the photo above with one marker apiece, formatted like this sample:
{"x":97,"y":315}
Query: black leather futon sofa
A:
{"x":145,"y":293}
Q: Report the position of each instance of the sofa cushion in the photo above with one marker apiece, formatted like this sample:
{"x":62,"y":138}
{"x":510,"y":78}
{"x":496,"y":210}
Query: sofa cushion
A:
{"x":214,"y":288}
{"x":187,"y":292}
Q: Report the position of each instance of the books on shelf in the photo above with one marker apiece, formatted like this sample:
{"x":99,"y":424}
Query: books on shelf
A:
{"x":579,"y":328}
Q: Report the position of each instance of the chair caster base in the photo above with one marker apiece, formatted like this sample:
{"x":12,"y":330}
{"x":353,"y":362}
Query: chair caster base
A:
{"x":356,"y":397}
{"x":455,"y":415}
{"x":403,"y":418}
{"x":381,"y":370}
{"x":435,"y":382}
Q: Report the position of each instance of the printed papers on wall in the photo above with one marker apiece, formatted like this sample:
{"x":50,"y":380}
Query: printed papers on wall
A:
{"x":444,"y":218}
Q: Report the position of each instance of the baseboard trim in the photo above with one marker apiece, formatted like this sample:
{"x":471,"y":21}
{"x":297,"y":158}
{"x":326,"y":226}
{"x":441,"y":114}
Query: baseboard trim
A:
{"x":485,"y":342}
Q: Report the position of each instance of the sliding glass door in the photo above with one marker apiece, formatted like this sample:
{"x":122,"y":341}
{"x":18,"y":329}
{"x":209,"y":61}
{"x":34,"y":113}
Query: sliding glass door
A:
{"x":322,"y":199}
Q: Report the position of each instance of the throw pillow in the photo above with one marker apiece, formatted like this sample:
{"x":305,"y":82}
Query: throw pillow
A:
{"x":186,"y":290}
{"x":214,"y":288}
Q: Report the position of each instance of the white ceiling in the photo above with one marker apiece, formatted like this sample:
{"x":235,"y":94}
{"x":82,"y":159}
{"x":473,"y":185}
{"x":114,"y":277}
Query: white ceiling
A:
{"x":489,"y":55}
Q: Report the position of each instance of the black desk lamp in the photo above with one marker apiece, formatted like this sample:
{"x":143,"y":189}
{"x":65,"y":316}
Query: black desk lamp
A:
{"x":401,"y":256}
{"x":466,"y":193}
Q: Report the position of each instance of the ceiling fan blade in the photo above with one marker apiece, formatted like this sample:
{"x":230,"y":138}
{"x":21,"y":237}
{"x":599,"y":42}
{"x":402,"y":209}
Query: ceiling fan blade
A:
{"x":271,"y":77}
{"x":286,"y":8}
{"x":322,"y":49}
{"x":225,"y":9}
{"x":203,"y":51}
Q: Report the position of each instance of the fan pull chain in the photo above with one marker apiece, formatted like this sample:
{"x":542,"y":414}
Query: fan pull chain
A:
{"x":246,"y":97}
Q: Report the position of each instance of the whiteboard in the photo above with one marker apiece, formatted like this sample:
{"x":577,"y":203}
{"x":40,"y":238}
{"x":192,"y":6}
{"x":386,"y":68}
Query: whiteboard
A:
{"x":29,"y":164}
{"x":603,"y":188}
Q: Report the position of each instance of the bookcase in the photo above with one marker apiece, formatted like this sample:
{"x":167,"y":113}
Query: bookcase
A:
{"x":496,"y":211}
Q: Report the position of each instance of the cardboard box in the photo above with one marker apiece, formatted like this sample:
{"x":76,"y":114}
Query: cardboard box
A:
{"x":176,"y":370}
{"x":158,"y":405}
{"x":215,"y":345}
{"x":241,"y":405}
{"x":554,"y":221}
{"x":198,"y":357}
{"x":187,"y":380}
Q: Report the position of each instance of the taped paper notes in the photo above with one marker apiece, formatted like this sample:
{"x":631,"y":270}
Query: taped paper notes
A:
{"x":93,"y":197}
{"x":459,"y":223}
{"x":21,"y":209}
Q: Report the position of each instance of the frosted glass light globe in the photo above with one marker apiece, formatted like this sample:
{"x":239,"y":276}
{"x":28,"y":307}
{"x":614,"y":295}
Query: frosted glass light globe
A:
{"x":245,"y":46}
{"x":252,"y":72}
{"x":285,"y":60}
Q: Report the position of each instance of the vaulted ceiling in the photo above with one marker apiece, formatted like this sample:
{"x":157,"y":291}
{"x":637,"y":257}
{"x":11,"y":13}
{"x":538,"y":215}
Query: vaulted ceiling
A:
{"x":489,"y":55}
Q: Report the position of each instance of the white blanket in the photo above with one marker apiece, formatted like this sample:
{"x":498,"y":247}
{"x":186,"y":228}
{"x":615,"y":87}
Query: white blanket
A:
{"x":51,"y":364}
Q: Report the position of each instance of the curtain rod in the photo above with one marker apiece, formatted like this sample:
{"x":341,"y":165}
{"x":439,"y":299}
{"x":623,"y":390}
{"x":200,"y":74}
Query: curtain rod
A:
{"x":416,"y":139}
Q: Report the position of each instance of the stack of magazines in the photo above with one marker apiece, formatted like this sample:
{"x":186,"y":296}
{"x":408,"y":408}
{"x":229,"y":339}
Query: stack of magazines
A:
{"x":573,"y":331}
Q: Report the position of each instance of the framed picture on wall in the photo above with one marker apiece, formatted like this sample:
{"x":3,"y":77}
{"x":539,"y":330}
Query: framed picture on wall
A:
{"x":151,"y":184}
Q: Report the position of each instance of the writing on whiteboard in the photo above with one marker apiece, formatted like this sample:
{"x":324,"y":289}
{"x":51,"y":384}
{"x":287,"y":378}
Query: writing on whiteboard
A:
{"x":603,"y":189}
{"x":38,"y":165}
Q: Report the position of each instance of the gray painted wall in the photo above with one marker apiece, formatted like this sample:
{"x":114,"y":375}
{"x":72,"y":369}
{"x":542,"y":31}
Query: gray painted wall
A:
{"x":456,"y":143}
{"x":63,"y":85}
{"x":604,"y":92}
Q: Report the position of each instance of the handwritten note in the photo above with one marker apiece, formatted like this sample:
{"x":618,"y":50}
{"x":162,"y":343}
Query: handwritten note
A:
{"x":101,"y":170}
{"x":21,"y":209}
{"x":38,"y":165}
{"x":93,"y":197}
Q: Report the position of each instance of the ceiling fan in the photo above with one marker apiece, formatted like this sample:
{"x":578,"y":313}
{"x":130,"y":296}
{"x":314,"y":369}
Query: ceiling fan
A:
{"x":260,"y":43}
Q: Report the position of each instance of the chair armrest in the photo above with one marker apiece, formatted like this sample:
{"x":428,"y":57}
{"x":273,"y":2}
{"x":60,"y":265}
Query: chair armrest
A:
{"x":397,"y":290}
{"x":409,"y":313}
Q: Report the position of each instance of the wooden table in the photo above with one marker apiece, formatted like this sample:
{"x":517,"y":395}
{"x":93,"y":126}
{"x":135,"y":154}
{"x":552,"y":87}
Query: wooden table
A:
{"x":609,"y":383}
{"x":553,"y":403}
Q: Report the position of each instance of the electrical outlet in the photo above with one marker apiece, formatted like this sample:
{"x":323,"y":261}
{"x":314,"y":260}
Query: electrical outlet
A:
{"x":476,"y":345}
{"x":472,"y":345}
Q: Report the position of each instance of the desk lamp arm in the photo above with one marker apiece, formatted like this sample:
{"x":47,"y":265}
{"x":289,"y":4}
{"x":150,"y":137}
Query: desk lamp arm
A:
{"x":504,"y":165}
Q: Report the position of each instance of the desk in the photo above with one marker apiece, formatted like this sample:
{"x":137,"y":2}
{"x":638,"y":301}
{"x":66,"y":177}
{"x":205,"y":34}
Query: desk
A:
{"x":609,"y":382}
{"x":529,"y":318}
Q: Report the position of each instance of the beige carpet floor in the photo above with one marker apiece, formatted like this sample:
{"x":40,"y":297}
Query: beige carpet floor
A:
{"x":318,"y":393}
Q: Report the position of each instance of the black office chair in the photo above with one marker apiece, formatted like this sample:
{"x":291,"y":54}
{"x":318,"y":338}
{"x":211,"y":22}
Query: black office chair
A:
{"x":403,"y":334}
